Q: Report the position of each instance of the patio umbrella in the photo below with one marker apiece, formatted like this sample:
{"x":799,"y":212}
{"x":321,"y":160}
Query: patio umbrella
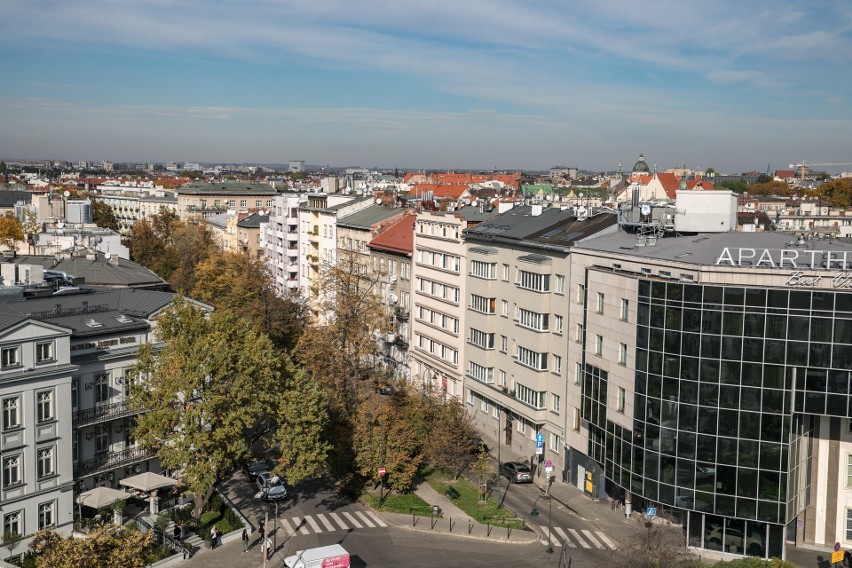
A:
{"x":149,"y":482}
{"x":101,"y":497}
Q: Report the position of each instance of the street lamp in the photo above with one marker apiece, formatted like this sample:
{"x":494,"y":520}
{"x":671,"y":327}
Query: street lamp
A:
{"x":535,"y":513}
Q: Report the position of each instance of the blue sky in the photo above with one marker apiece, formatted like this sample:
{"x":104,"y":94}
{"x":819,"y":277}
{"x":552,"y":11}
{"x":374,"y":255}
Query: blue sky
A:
{"x":435,"y":84}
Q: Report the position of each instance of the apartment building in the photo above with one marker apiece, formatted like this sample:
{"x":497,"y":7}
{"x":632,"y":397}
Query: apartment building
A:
{"x":206,"y":199}
{"x":440,"y":262}
{"x":280,"y":239}
{"x":242,"y":234}
{"x":517,"y":325}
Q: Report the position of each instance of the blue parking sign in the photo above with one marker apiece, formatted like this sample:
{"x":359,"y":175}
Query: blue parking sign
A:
{"x":652,"y":512}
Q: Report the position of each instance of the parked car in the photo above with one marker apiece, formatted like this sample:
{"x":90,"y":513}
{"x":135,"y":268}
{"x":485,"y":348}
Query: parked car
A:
{"x":254,"y":468}
{"x":517,"y":472}
{"x":270,"y":487}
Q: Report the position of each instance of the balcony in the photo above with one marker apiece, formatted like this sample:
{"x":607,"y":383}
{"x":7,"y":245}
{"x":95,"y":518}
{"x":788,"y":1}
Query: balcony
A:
{"x":111,"y":460}
{"x":103,"y":413}
{"x":400,"y":313}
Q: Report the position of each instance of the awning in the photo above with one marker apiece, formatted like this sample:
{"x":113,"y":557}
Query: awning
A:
{"x":101,"y":497}
{"x":148,"y":481}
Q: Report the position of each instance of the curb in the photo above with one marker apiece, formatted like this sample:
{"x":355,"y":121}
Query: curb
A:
{"x":529,"y":538}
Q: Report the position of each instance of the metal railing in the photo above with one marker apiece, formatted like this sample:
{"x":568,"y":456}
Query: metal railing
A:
{"x":111,"y":460}
{"x":101,"y":413}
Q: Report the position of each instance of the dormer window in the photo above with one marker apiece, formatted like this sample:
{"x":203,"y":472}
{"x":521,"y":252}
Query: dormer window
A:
{"x":123,"y":319}
{"x":93,"y":323}
{"x":10,"y":357}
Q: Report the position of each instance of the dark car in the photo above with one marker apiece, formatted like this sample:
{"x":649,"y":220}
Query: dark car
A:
{"x":517,"y":472}
{"x":255,"y":468}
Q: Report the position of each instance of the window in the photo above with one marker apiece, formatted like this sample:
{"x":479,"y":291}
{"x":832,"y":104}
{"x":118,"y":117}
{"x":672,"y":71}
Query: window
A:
{"x":555,"y":442}
{"x":12,"y":474}
{"x":44,"y":352}
{"x":625,"y":307}
{"x":600,"y":303}
{"x":506,"y":272}
{"x":258,"y":203}
{"x":243,"y":202}
{"x":533,"y":320}
{"x":75,"y":396}
{"x":101,"y":439}
{"x":483,"y":405}
{"x":502,"y":378}
{"x":578,"y":373}
{"x":10,"y":357}
{"x":536,"y":399}
{"x":482,"y":304}
{"x":44,"y":462}
{"x":504,"y":343}
{"x":557,"y":364}
{"x":576,"y":419}
{"x":581,"y":294}
{"x":480,"y":373}
{"x":504,"y":308}
{"x":101,"y":387}
{"x":619,"y":403}
{"x":469,"y":396}
{"x":532,"y":359}
{"x":75,"y":445}
{"x":555,"y":402}
{"x":44,"y":406}
{"x":481,"y":339}
{"x":558,"y":324}
{"x":579,"y":334}
{"x":848,"y":524}
{"x":12,"y":523}
{"x":560,"y":284}
{"x":486,"y":270}
{"x":533,"y":281}
{"x":622,"y":353}
{"x":599,"y":345}
{"x":45,"y":514}
{"x":11,"y":413}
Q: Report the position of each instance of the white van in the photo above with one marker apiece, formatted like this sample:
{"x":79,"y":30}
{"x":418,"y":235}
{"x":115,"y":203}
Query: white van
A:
{"x":334,"y":556}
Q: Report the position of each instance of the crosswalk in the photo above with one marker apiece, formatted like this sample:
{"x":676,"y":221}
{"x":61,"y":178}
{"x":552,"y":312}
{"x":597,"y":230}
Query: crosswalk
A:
{"x":331,"y":522}
{"x":573,"y":538}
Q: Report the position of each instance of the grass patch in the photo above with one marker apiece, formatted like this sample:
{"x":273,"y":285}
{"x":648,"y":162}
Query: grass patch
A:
{"x":468,"y":500}
{"x":405,"y":503}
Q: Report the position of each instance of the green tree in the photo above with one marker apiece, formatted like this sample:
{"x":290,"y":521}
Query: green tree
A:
{"x":11,"y":231}
{"x":764,"y":178}
{"x":451,"y":441}
{"x":103,"y":215}
{"x":241,"y":283}
{"x":11,"y":540}
{"x":776,"y":188}
{"x":735,"y":185}
{"x":107,"y":547}
{"x":483,"y":469}
{"x":710,"y":172}
{"x":837,"y":193}
{"x":207,"y":394}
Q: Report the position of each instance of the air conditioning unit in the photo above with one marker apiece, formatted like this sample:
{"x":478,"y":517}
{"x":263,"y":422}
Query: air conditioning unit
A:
{"x":393,"y":299}
{"x":392,"y":278}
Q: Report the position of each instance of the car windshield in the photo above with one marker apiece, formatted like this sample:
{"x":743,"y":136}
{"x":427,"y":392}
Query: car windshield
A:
{"x":522,"y":468}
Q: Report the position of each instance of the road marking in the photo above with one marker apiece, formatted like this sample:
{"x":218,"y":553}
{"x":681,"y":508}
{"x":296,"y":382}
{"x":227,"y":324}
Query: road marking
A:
{"x":578,"y":538}
{"x":592,"y":539}
{"x":365,"y":518}
{"x":606,"y":540}
{"x":303,"y":526}
{"x":553,"y":540}
{"x":324,"y":521}
{"x":313,"y":523}
{"x":336,"y":518}
{"x":287,"y":526}
{"x":352,"y":520}
{"x":376,"y":519}
{"x":564,"y":537}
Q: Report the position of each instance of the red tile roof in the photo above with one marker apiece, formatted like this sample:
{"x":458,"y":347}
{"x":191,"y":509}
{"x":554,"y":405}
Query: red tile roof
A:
{"x":398,"y":238}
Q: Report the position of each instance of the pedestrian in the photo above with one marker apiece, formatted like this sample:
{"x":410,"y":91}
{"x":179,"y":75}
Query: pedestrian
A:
{"x":612,"y":505}
{"x":214,"y":534}
{"x":268,"y":547}
{"x":262,"y":530}
{"x":177,"y":532}
{"x":245,"y":540}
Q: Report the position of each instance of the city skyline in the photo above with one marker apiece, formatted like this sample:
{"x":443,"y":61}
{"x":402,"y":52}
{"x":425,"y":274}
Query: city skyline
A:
{"x":511,"y":85}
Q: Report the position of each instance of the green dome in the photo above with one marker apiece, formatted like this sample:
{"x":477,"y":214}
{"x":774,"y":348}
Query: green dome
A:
{"x":641,"y":167}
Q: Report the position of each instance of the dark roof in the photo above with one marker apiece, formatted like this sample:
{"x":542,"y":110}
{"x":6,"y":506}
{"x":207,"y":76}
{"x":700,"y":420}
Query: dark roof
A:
{"x":552,"y":227}
{"x":253,"y":221}
{"x":369,"y":217}
{"x":97,"y":270}
{"x":9,"y":198}
{"x":227,"y":188}
{"x":9,"y":320}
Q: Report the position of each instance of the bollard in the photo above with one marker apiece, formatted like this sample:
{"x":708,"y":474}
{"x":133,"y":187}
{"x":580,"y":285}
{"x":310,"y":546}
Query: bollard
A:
{"x":451,"y":524}
{"x":413,"y":521}
{"x":469,"y":526}
{"x":488,"y":529}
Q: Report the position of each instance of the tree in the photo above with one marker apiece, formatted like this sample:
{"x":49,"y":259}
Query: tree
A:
{"x":241,"y":283}
{"x":764,"y":178}
{"x":192,"y":242}
{"x":106,"y":547}
{"x":710,"y":172}
{"x":11,"y":540}
{"x":777,"y":188}
{"x":735,"y":185}
{"x":483,"y":468}
{"x":656,"y":545}
{"x":451,"y":440}
{"x":11,"y":231}
{"x":837,"y":193}
{"x":207,"y":396}
{"x":30,"y":225}
{"x":103,"y":215}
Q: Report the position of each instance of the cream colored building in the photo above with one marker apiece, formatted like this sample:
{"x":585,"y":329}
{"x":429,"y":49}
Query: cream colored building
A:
{"x":206,"y":199}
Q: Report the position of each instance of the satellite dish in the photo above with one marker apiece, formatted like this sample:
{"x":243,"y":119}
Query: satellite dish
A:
{"x":60,"y":224}
{"x":379,"y":201}
{"x":66,"y":193}
{"x":107,"y":256}
{"x":646,"y":209}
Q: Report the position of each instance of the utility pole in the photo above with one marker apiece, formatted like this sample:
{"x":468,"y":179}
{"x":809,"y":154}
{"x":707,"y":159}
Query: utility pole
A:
{"x":264,"y":536}
{"x":499,"y":413}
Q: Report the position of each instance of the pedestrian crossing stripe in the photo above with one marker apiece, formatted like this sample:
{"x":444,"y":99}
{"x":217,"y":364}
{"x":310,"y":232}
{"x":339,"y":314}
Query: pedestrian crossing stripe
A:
{"x":331,"y":522}
{"x":559,"y":538}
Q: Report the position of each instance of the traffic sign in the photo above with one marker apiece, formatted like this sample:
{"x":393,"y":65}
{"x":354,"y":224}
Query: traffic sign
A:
{"x":838,"y":556}
{"x":548,"y":464}
{"x":652,"y":512}
{"x":548,"y":470}
{"x":836,"y":546}
{"x":539,"y":447}
{"x":382,"y":472}
{"x":539,"y":438}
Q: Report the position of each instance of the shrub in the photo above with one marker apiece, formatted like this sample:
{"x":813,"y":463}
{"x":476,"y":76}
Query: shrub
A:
{"x":232,"y":518}
{"x":216,"y":504}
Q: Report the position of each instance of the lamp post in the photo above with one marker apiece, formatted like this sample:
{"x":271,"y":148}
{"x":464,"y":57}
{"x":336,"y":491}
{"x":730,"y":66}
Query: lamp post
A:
{"x":499,"y":413}
{"x":535,"y":513}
